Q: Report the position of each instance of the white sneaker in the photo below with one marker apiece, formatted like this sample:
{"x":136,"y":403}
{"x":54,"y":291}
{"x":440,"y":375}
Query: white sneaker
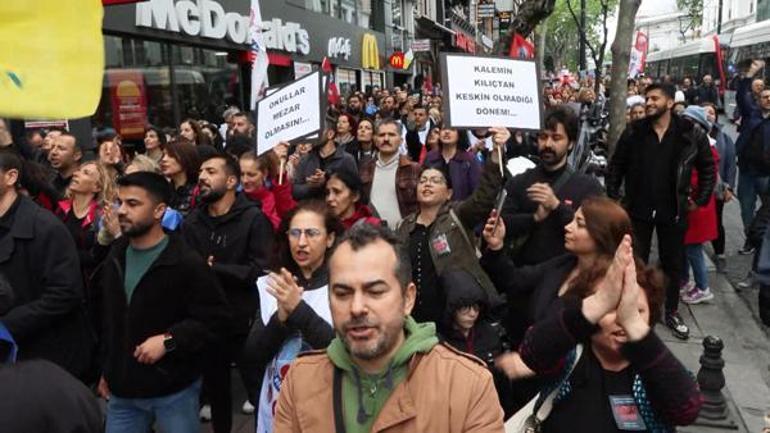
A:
{"x":696,"y":296}
{"x":686,"y":288}
{"x":205,"y":413}
{"x":247,"y":408}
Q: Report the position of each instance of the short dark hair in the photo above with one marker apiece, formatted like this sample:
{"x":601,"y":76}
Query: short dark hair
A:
{"x":185,"y":153}
{"x":155,"y":184}
{"x":10,"y":160}
{"x":69,"y":134}
{"x":232,"y":168}
{"x":362,"y":234}
{"x":564,"y":115}
{"x":442,"y":168}
{"x":352,"y":180}
{"x":244,"y":115}
{"x":161,"y":135}
{"x":668,"y":89}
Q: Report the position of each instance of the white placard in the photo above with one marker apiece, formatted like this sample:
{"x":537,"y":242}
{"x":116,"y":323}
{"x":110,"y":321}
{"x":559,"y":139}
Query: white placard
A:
{"x":290,"y":112}
{"x":491,"y":91}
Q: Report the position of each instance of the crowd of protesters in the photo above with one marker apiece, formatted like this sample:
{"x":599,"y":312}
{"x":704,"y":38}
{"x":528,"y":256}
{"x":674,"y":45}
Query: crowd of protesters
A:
{"x":428,"y":300}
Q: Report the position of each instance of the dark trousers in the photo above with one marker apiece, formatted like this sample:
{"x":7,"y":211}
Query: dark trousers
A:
{"x":217,"y":381}
{"x":719,"y":242}
{"x":670,"y":253}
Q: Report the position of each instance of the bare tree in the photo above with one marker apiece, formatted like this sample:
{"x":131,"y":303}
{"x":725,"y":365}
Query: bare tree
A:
{"x":621,"y":53}
{"x":528,"y":16}
{"x":542,"y":31}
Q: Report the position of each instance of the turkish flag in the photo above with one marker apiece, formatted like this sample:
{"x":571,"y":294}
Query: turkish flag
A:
{"x":521,"y":48}
{"x":332,"y":93}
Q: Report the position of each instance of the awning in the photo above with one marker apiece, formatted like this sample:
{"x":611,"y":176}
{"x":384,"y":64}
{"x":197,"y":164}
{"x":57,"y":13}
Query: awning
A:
{"x":431,"y":28}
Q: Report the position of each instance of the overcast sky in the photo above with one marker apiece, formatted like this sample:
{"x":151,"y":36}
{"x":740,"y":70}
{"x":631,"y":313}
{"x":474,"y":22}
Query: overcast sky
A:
{"x":648,"y":8}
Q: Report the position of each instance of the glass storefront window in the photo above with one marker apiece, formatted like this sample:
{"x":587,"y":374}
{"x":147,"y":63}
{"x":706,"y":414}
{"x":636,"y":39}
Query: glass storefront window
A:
{"x":346,"y":81}
{"x":396,"y":8}
{"x":137,"y":89}
{"x":348,"y":11}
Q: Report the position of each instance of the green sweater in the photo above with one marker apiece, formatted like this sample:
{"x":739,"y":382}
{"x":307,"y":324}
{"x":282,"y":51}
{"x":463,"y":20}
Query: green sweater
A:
{"x":363,"y":395}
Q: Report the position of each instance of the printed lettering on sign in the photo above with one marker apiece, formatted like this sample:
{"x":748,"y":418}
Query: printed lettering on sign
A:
{"x":339,"y":47}
{"x":483,"y":91}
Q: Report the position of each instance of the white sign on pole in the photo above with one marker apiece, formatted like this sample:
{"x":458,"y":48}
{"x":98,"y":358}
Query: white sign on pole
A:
{"x":421,"y":45}
{"x":491,"y":91}
{"x":291,"y":112}
{"x":301,"y":69}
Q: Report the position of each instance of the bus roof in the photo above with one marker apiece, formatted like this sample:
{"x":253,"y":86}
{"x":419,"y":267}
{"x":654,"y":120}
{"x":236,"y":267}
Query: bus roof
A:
{"x":751,"y":34}
{"x":703,"y":45}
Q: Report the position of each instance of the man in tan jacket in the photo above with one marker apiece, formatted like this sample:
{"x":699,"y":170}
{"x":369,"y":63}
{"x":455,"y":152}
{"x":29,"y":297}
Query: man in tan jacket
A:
{"x":384,"y":372}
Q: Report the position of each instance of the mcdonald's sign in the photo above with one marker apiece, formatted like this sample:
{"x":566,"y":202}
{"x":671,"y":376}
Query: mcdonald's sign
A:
{"x":397,"y":60}
{"x":370,"y":53}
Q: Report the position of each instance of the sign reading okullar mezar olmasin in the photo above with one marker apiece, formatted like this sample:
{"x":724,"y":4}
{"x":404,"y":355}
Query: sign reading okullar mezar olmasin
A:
{"x":491,"y":91}
{"x":291,"y":112}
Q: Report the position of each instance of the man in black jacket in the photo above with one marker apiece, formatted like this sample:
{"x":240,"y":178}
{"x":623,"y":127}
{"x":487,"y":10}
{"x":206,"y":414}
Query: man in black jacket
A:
{"x":162,"y":308}
{"x":654,"y":159}
{"x":707,"y":91}
{"x":235,"y":238}
{"x":38,"y":257}
{"x":542,"y":200}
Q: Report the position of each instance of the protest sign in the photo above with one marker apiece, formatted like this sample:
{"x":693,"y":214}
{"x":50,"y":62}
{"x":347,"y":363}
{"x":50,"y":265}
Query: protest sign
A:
{"x":291,"y":112}
{"x":491,"y":91}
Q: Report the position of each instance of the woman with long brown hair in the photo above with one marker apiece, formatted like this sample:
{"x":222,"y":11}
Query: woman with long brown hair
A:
{"x":590,"y":239}
{"x":180,"y":164}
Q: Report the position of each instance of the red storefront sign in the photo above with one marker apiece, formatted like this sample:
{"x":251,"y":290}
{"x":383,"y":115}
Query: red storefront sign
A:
{"x":128,"y":98}
{"x":464,"y":42}
{"x":397,"y":60}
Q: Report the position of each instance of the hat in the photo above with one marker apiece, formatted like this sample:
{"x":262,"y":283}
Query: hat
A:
{"x":679,"y":96}
{"x":697,"y":114}
{"x":633,"y":100}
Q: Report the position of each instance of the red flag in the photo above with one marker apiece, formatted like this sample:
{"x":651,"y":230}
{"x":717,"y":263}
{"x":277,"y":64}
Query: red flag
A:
{"x":332,"y":94}
{"x":521,"y":48}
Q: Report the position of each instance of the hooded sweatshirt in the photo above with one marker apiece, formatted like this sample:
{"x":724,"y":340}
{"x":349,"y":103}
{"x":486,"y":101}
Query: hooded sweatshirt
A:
{"x":364,"y":395}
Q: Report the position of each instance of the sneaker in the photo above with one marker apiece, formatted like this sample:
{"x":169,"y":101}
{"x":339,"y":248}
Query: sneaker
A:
{"x":696,"y":296}
{"x":686,"y":288}
{"x":721,"y":264}
{"x":205,"y":413}
{"x":676,"y":324}
{"x":747,"y":249}
{"x":747,"y":283}
{"x":247,"y":408}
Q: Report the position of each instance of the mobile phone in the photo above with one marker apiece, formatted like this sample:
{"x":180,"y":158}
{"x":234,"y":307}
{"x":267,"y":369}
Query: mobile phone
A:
{"x":499,"y":202}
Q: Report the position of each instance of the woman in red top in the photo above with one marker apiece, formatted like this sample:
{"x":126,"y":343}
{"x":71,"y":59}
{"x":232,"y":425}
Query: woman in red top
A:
{"x":260,"y":181}
{"x":345,"y":198}
{"x":701,"y":228}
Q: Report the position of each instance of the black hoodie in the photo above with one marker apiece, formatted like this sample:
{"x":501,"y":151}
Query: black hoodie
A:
{"x":241,"y":243}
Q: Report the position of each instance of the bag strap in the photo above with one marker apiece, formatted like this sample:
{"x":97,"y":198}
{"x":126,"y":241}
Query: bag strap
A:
{"x":339,"y":421}
{"x":460,"y":225}
{"x":562,"y":179}
{"x":545,"y":408}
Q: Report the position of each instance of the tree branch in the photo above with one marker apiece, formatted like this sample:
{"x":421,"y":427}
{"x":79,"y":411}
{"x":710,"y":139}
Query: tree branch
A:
{"x":582,"y":32}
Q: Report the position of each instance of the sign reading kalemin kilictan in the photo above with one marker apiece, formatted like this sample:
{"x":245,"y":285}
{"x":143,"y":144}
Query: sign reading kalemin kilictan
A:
{"x":208,"y":19}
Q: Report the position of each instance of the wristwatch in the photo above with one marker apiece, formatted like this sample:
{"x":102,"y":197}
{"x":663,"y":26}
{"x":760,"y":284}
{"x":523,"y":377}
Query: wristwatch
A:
{"x":168,"y":342}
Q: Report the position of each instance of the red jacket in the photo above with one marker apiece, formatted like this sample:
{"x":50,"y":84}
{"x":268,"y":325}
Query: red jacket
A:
{"x":267,"y":198}
{"x":362,"y":212}
{"x":702,"y":222}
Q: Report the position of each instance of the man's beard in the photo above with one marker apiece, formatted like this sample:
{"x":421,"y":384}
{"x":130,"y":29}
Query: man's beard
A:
{"x":137,"y":229}
{"x":384,"y":344}
{"x":212,"y":196}
{"x":553,"y":157}
{"x":656,"y":115}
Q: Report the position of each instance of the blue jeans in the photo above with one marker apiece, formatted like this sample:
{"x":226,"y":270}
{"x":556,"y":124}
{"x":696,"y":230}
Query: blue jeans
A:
{"x":694,"y":257}
{"x":175,"y":413}
{"x":750,"y":187}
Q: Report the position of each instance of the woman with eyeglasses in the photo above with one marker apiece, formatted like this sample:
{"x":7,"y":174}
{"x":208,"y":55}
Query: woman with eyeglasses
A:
{"x":440,"y":235}
{"x":294,"y":313}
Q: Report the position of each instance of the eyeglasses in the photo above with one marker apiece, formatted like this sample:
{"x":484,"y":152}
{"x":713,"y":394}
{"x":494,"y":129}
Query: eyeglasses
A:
{"x":435,"y":180}
{"x":309,"y":233}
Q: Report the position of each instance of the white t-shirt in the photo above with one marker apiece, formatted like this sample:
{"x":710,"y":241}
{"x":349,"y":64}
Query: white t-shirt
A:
{"x":278,"y":367}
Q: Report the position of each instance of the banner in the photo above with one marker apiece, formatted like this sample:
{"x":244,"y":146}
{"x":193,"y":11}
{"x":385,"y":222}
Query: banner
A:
{"x":370,"y":53}
{"x":421,"y":45}
{"x":52,"y":60}
{"x":521,"y":48}
{"x":293,"y":111}
{"x":260,"y":60}
{"x":638,"y":56}
{"x":490,"y":92}
{"x":129,"y":102}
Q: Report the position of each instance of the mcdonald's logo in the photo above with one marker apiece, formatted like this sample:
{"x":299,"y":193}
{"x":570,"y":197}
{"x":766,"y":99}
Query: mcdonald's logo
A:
{"x":397,"y":60}
{"x":370,"y":53}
